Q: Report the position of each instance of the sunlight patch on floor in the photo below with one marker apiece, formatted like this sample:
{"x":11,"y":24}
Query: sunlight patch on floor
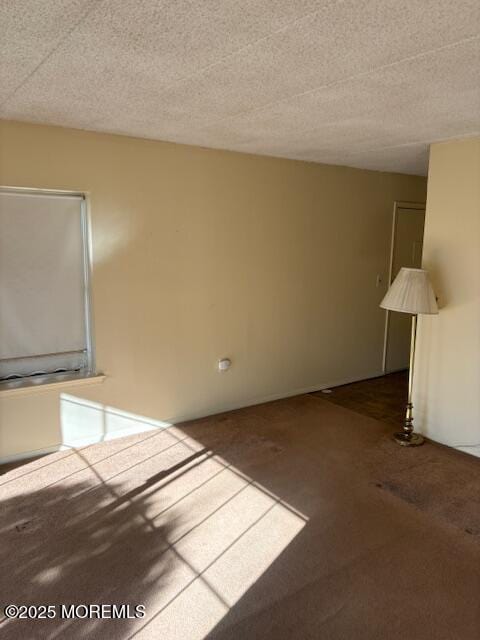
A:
{"x":223,"y":529}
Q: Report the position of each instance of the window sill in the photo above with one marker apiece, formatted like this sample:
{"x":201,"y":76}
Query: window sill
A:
{"x":27,"y":387}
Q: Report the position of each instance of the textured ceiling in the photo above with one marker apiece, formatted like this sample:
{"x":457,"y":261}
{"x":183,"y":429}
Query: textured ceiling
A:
{"x":361,"y":83}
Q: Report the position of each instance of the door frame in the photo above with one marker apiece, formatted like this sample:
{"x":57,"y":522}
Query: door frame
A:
{"x":398,"y":204}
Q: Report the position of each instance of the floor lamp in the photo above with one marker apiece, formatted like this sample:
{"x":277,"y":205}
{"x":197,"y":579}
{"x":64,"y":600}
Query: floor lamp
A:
{"x":410,"y":292}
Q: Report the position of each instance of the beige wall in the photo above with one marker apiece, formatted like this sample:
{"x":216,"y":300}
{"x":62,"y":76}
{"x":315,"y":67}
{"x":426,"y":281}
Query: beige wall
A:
{"x":447,"y":377}
{"x":200,"y":254}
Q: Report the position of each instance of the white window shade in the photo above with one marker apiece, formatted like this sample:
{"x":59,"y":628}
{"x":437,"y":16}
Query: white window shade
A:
{"x":43,"y":302}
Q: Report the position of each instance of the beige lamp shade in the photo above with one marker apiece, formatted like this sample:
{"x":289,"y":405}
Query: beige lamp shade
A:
{"x":411,"y":292}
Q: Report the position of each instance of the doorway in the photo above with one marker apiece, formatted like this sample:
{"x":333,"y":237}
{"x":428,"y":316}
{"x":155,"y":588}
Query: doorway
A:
{"x":406,"y":251}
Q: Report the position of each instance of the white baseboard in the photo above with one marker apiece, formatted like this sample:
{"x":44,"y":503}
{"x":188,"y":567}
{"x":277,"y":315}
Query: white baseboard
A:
{"x":147,"y":424}
{"x":275,"y":396}
{"x":472,"y":449}
{"x":27,"y":455}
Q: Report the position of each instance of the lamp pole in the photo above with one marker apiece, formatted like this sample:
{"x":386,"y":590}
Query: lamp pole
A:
{"x":406,"y":437}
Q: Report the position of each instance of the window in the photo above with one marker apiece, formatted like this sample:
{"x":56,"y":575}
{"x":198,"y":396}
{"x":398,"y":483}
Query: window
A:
{"x":45,"y":327}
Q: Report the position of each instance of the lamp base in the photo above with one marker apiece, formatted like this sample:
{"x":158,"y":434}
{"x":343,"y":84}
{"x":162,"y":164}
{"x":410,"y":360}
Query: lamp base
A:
{"x":408,"y":440}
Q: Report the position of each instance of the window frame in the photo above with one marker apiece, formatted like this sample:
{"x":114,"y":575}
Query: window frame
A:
{"x":86,"y":234}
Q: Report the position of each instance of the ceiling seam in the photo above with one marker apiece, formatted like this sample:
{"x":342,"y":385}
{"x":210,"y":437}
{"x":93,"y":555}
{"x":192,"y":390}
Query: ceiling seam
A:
{"x":220,"y":61}
{"x":180,"y":79}
{"x":342,"y":81}
{"x":362,"y":74}
{"x":94,"y":4}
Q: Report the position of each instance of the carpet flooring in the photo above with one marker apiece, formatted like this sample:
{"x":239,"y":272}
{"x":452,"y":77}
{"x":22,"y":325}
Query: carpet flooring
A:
{"x":295,"y":519}
{"x":383,"y":398}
